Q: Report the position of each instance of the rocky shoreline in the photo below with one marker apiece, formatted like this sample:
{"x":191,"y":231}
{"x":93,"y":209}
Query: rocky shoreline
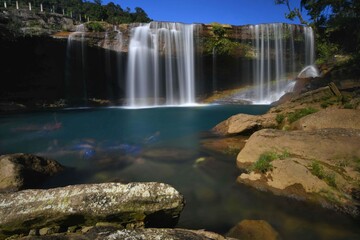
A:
{"x":306,"y":147}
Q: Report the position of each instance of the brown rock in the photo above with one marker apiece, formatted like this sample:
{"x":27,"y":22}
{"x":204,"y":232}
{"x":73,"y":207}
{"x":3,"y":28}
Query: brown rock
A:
{"x":329,"y":118}
{"x":335,"y":153}
{"x":244,"y":123}
{"x":21,"y":171}
{"x":328,"y":145}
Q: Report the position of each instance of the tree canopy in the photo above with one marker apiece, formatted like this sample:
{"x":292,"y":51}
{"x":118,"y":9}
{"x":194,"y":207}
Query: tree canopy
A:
{"x":94,"y":10}
{"x":336,"y":22}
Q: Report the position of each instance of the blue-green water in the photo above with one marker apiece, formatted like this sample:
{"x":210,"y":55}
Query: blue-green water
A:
{"x":166,"y":145}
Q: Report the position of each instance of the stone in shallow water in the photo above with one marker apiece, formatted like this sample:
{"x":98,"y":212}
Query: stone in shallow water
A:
{"x":21,"y":171}
{"x":253,"y":230}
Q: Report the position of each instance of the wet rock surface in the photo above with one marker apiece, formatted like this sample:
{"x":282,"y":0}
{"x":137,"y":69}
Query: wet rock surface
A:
{"x":129,"y":205}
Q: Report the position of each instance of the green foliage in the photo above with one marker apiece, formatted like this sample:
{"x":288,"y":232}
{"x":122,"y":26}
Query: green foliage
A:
{"x":94,"y":10}
{"x":263,"y":164}
{"x":318,"y":170}
{"x":299,"y":113}
{"x":279,"y":118}
{"x":326,"y":51}
{"x":95,"y":27}
{"x":220,"y":44}
{"x":357,"y":163}
{"x":336,"y":24}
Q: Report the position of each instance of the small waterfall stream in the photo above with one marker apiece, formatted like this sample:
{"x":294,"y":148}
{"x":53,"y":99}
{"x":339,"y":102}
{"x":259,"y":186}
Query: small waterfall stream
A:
{"x":76,"y":58}
{"x":276,"y":62}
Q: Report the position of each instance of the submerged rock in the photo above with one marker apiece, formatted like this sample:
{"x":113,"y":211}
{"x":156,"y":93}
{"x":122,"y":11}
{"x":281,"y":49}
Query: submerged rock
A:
{"x":21,"y":171}
{"x":168,"y":154}
{"x":253,"y":230}
{"x":130,"y":205}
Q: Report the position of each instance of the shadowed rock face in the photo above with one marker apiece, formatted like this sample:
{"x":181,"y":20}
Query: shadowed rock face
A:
{"x":130,"y":205}
{"x":21,"y":171}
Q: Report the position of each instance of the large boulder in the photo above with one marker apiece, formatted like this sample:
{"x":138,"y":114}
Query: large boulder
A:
{"x":329,"y":118}
{"x":328,"y":145}
{"x":129,"y":205}
{"x":21,"y":171}
{"x":321,"y":166}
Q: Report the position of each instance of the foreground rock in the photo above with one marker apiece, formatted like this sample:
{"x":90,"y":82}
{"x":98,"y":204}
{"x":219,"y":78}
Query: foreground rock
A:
{"x":253,"y":230}
{"x":21,"y":171}
{"x":129,"y":205}
{"x":135,"y":234}
{"x":322,"y":166}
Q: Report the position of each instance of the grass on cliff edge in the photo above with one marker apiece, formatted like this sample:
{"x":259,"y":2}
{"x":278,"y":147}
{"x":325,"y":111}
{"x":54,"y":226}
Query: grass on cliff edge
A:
{"x":263,"y":164}
{"x":296,"y":115}
{"x":318,"y":170}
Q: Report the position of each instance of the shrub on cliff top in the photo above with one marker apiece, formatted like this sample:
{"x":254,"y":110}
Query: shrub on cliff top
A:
{"x":263,"y":164}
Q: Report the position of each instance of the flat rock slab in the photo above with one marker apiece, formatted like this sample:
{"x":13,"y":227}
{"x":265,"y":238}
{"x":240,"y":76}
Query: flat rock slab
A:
{"x":131,"y":205}
{"x":329,"y":118}
{"x":328,"y":145}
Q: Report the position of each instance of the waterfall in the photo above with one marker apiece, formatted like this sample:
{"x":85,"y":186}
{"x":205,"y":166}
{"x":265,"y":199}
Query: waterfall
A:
{"x":275,"y":63}
{"x":309,"y":46}
{"x":154,"y":64}
{"x":161,"y":65}
{"x":76,"y":59}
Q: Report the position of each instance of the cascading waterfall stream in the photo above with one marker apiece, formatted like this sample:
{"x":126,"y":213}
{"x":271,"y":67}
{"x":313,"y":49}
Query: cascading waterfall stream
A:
{"x":276,"y":64}
{"x":73,"y":55}
{"x":161,"y":65}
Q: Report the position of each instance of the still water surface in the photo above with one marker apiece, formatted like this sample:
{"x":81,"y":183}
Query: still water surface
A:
{"x":166,"y":145}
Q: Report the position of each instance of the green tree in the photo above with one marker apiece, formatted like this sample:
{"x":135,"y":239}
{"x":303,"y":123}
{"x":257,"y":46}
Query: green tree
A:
{"x":336,"y":22}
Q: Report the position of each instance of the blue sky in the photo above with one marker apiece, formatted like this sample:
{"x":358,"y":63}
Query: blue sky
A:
{"x":235,"y":12}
